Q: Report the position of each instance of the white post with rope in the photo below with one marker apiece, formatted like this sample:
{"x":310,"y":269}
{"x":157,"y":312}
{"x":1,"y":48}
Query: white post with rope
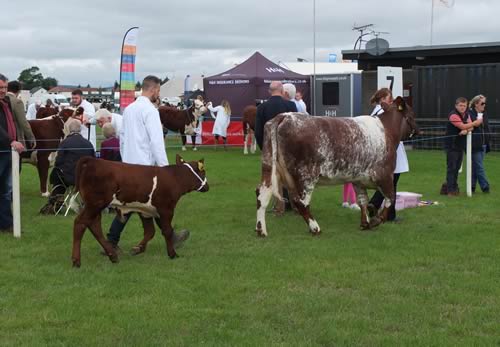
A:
{"x":469,"y":164}
{"x":16,"y":196}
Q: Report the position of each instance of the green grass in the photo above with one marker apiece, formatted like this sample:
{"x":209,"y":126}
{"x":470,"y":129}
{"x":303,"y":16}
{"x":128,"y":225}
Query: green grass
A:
{"x":431,"y":281}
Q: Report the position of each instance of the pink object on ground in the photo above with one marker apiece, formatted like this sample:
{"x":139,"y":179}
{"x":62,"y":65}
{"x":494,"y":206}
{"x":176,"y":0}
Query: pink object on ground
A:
{"x":349,"y":194}
{"x":407,"y":200}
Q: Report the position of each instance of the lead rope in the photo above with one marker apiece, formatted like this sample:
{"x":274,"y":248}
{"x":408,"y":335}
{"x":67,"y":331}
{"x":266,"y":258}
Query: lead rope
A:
{"x":203,"y":181}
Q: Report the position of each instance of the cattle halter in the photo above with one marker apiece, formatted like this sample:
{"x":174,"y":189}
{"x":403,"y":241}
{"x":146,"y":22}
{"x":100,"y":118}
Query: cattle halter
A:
{"x":203,"y":181}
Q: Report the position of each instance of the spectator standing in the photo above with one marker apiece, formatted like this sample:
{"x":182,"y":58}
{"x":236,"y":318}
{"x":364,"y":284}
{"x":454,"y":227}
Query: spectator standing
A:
{"x":23,"y":128}
{"x":384,"y":96}
{"x":266,"y":111}
{"x":8,"y":141}
{"x":88,"y":119}
{"x":33,"y":109}
{"x":459,"y":124}
{"x":301,"y":105}
{"x":103,"y":116}
{"x":222,"y":120}
{"x":480,"y":142}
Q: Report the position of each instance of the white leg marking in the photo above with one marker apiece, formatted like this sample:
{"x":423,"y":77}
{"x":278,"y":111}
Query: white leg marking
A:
{"x":314,"y":226}
{"x":387,"y":203}
{"x":264,"y":197}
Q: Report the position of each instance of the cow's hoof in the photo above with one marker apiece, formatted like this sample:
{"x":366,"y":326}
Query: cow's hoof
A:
{"x":114,"y":258}
{"x":364,"y":226}
{"x":374,"y":222}
{"x":260,"y":233}
{"x":315,"y":232}
{"x":137,"y":250}
{"x":173,"y":256}
{"x":76,"y":263}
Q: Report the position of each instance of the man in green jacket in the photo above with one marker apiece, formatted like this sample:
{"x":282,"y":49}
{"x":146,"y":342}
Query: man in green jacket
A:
{"x":23,"y":128}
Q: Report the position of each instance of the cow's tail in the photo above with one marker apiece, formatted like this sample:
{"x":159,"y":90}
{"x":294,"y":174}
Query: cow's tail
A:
{"x":276,"y":179}
{"x":81,"y":168}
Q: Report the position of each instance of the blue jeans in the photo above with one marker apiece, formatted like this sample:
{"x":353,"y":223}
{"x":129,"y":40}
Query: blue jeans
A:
{"x":478,"y":173}
{"x":5,"y":190}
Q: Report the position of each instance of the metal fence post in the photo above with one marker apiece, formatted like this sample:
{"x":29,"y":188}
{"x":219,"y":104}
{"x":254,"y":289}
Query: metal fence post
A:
{"x":469,"y":164}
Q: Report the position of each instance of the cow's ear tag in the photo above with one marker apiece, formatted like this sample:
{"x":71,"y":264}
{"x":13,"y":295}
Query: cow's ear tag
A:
{"x":400,"y":108}
{"x":201,"y":166}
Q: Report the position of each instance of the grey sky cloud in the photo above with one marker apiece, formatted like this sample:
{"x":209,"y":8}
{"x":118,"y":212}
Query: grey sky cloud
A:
{"x":79,"y":42}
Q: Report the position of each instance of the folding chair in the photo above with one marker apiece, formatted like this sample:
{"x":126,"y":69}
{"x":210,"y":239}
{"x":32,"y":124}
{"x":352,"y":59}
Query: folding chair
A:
{"x":71,"y":201}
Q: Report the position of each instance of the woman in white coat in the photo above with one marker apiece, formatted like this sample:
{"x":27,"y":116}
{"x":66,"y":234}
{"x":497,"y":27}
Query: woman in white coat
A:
{"x":384,"y":95}
{"x":222,"y":120}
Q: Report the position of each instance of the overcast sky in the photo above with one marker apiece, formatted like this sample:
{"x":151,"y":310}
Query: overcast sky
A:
{"x":79,"y":42}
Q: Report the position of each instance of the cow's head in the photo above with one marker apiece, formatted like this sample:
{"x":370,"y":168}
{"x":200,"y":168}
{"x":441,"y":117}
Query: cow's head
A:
{"x":199,"y":108}
{"x":408,"y":125}
{"x":197,"y":169}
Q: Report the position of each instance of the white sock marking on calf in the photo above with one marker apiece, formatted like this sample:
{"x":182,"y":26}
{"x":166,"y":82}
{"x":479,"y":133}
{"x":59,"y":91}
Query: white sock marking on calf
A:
{"x":387,"y":202}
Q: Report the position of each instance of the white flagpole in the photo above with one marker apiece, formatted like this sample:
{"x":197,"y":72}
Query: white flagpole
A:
{"x":432,"y":18}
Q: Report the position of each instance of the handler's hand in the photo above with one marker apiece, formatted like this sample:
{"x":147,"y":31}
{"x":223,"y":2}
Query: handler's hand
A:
{"x":17,"y":146}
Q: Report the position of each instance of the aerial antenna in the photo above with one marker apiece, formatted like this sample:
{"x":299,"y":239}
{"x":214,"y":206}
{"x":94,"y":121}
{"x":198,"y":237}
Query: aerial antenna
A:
{"x":362,"y":33}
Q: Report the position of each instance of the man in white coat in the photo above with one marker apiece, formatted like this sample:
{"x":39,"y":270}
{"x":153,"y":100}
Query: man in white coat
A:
{"x":103,"y":116}
{"x":88,"y":119}
{"x":142,"y":142}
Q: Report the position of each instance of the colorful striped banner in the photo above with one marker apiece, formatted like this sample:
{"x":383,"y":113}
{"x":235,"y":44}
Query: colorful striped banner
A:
{"x":127,"y":68}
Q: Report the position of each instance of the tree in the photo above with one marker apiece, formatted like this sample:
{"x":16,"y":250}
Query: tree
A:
{"x":116,"y":86}
{"x":49,"y":83}
{"x":31,"y":77}
{"x":138,"y":86}
{"x":165,"y":80}
{"x":88,"y":85}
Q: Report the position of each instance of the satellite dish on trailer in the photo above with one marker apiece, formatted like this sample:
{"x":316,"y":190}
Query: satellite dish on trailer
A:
{"x":377,"y":46}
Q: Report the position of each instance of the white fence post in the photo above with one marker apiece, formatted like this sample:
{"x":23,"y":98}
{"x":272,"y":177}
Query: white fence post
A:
{"x":469,"y":164}
{"x":16,"y":197}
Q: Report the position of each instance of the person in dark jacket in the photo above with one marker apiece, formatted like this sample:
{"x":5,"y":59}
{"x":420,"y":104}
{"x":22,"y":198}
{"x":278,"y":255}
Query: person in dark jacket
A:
{"x":270,"y":109}
{"x":459,"y":124}
{"x":480,"y":142}
{"x":9,"y":139}
{"x":266,"y":111}
{"x":71,"y":149}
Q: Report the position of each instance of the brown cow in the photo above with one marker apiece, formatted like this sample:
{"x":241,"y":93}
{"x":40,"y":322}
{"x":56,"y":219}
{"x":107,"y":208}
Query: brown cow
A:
{"x":299,"y":150}
{"x":44,"y":112}
{"x":249,"y":114}
{"x":151,"y":191}
{"x":183,"y":121}
{"x":48,"y":134}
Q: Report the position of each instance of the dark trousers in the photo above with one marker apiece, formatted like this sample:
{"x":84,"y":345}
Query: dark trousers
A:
{"x":58,"y":184}
{"x":118,"y":225}
{"x":5,"y":190}
{"x":378,"y":199}
{"x":453,"y":163}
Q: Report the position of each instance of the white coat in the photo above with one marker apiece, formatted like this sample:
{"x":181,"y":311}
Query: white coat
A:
{"x":141,"y":137}
{"x":89,"y":112}
{"x":116,"y":123}
{"x":221,"y":121}
{"x":401,"y":158}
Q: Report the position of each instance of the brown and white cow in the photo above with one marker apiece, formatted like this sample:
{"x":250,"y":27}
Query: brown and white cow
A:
{"x":248,"y":120}
{"x":151,"y":191}
{"x":183,"y":121}
{"x":48,"y":134}
{"x":300,"y":150}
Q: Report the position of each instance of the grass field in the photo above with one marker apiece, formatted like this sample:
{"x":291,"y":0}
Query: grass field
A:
{"x":431,"y":281}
